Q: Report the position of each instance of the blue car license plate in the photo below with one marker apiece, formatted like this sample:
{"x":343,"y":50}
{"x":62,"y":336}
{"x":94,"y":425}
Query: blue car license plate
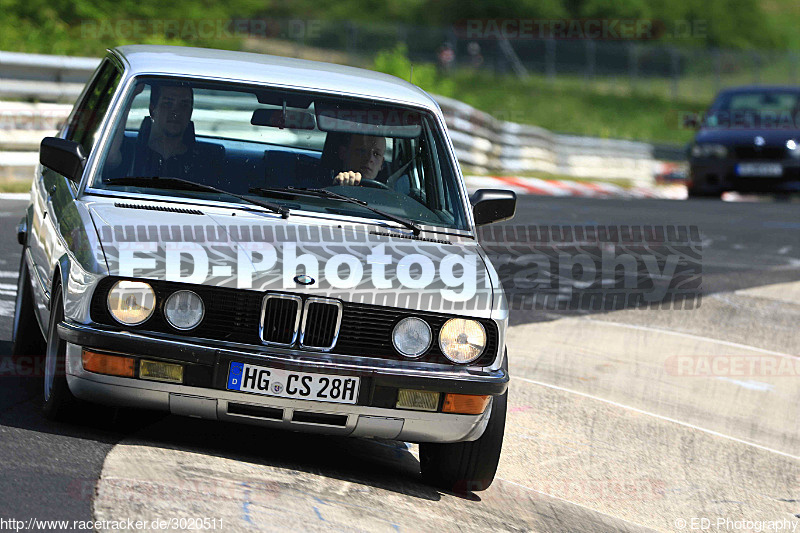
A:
{"x":769,"y":170}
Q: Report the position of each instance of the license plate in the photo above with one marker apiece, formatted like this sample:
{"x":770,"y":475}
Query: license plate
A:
{"x":759,"y":169}
{"x":297,"y":385}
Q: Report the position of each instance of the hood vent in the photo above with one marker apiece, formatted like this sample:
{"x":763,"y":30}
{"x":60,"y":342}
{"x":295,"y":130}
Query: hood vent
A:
{"x":411,"y":237}
{"x":159,"y":208}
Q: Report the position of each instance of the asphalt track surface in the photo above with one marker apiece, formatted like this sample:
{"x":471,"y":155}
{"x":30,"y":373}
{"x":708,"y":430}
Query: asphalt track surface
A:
{"x":601,"y":435}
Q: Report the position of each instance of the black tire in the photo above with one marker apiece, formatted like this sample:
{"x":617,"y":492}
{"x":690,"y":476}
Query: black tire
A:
{"x":694,"y":194}
{"x":467,"y":466}
{"x":26,"y":336}
{"x":59,"y":403}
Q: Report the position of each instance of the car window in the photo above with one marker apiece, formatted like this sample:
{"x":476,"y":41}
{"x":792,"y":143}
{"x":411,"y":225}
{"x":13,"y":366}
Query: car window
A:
{"x":86,"y":121}
{"x":239,"y":138}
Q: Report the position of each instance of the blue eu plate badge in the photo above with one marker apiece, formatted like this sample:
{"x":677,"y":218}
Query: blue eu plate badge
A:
{"x":235,"y":376}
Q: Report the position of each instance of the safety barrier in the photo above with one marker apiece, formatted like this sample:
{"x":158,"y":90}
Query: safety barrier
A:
{"x":484,"y":145}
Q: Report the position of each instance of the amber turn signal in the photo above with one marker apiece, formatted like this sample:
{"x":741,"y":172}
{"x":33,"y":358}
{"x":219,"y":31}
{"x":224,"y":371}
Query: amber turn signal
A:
{"x":465,"y":404}
{"x":112,"y":365}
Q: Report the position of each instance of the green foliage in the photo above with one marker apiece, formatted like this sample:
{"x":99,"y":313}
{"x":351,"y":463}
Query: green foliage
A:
{"x":88,"y":27}
{"x":396,"y":63}
{"x":55,"y":26}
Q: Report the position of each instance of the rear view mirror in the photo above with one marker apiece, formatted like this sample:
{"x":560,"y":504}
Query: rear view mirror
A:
{"x":368,"y":120}
{"x":493,"y":205}
{"x":284,"y":118}
{"x":63,"y":156}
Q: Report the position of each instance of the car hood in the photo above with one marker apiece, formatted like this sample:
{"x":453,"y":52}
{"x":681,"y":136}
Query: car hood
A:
{"x":746,"y":136}
{"x":263,"y":252}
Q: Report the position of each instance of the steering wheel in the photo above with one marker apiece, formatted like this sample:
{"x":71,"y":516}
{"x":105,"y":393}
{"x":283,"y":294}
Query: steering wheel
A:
{"x":374,"y":184}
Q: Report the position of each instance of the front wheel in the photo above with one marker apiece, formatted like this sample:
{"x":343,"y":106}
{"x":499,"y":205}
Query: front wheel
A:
{"x":59,"y":403}
{"x":26,"y":336}
{"x":467,"y":466}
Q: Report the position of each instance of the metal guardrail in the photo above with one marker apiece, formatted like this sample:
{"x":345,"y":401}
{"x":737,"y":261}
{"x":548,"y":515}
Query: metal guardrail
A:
{"x":44,"y":77}
{"x":483,"y":144}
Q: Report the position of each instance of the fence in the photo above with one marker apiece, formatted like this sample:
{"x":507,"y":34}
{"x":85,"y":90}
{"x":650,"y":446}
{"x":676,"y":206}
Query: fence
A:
{"x":483,"y":144}
{"x":672,"y":69}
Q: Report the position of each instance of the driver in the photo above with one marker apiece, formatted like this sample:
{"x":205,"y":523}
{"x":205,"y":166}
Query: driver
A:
{"x":362,"y":158}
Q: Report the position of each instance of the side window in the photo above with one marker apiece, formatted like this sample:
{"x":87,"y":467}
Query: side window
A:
{"x":84,"y":125}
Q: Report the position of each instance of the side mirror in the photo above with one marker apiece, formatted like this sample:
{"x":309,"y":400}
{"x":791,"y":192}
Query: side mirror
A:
{"x":63,"y":156}
{"x":493,"y":205}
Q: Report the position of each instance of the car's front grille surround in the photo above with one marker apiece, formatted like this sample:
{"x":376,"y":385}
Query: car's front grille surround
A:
{"x":322,"y":318}
{"x":766,"y":153}
{"x":234,"y":315}
{"x":280,"y":319}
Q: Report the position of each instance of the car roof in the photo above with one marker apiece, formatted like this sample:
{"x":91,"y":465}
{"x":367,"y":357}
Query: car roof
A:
{"x":761,"y":89}
{"x":272,"y":70}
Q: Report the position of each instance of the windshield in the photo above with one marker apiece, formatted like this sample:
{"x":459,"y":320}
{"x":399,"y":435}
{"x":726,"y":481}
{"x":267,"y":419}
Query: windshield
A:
{"x":251,"y":141}
{"x":755,"y":109}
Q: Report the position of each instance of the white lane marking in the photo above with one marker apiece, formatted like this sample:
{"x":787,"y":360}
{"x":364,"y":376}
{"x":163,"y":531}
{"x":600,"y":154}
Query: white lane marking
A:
{"x":8,"y":287}
{"x":749,"y":384}
{"x":8,"y":274}
{"x":660,"y":417}
{"x":691,"y":336}
{"x":8,"y":293}
{"x":784,"y":250}
{"x":594,"y":511}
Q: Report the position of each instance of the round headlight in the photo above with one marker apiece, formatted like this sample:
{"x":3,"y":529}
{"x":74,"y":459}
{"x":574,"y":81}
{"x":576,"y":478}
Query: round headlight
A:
{"x":131,"y":302}
{"x":462,"y":340}
{"x":184,"y":310}
{"x":412,"y":337}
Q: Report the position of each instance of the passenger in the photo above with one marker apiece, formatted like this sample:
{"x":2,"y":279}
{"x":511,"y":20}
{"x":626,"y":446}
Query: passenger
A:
{"x":166,"y":145}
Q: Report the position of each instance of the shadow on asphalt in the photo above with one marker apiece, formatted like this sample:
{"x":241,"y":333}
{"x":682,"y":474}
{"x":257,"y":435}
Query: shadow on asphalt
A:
{"x":381,"y":464}
{"x":386,"y":465}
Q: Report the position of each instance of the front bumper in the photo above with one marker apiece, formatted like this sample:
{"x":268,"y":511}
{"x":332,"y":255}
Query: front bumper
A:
{"x":203,"y":393}
{"x":718,"y":175}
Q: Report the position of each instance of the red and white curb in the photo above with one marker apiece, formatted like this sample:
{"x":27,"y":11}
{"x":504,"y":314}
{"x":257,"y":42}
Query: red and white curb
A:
{"x":588,"y":189}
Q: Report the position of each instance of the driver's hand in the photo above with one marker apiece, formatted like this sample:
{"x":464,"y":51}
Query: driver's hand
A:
{"x":347,"y":178}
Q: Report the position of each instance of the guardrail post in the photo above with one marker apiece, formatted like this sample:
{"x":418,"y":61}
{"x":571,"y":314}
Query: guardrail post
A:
{"x":675,"y":67}
{"x":633,"y":64}
{"x":550,"y":59}
{"x":591,"y":58}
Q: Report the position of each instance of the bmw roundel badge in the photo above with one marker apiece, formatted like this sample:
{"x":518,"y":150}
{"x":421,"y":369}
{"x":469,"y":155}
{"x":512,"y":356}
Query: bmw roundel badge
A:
{"x":304,"y":280}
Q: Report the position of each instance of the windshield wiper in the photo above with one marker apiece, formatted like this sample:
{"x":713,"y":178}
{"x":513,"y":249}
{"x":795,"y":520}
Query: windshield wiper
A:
{"x":324,"y":193}
{"x":186,"y":185}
